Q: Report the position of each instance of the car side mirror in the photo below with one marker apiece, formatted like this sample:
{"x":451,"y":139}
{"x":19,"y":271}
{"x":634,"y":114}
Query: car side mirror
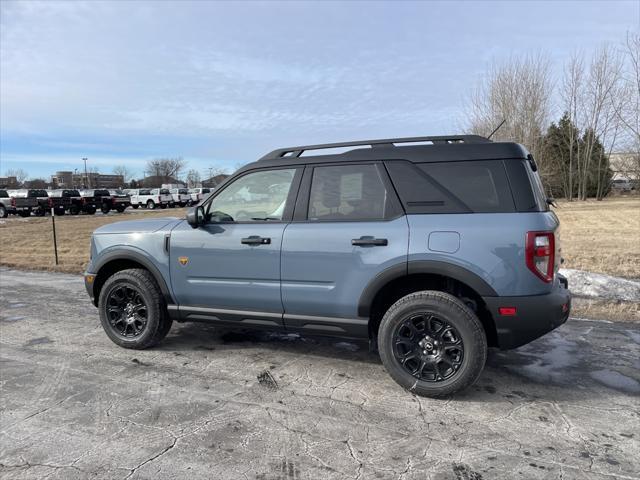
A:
{"x":195,"y":216}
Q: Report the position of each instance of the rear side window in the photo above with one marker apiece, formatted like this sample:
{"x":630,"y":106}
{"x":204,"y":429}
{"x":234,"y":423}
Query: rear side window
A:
{"x":452,"y":187}
{"x":4,"y":194}
{"x":349,"y":192}
{"x":164,"y":191}
{"x":102,"y":193}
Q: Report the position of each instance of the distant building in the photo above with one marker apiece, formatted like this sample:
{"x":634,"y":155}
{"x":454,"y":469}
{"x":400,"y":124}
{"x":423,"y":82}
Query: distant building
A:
{"x":8,"y":182}
{"x":214,"y":181}
{"x":625,"y":166}
{"x":63,"y":179}
{"x":66,"y":179}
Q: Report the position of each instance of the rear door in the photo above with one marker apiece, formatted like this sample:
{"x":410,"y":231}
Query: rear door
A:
{"x":348,"y":227}
{"x":229,"y":269}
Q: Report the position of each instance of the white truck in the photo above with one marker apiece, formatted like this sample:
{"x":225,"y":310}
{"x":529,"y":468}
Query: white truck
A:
{"x":181,"y":196}
{"x":150,"y":198}
{"x":197,"y":194}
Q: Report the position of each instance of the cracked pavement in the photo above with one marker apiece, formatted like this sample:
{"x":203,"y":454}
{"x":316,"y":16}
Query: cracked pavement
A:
{"x":75,"y":406}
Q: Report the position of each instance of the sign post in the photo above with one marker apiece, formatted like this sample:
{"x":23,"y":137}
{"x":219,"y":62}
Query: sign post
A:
{"x":55,"y":240}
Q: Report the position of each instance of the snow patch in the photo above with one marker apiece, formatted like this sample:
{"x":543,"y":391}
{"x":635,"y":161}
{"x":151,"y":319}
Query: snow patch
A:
{"x":588,"y":284}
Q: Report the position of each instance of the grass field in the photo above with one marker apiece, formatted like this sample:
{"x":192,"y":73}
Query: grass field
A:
{"x":601,"y":237}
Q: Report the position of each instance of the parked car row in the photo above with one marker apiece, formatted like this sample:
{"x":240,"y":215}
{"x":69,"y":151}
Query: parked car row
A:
{"x":24,"y":202}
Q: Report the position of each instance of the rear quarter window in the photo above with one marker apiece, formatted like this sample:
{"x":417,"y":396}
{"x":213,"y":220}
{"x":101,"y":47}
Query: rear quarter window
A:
{"x":452,"y":187}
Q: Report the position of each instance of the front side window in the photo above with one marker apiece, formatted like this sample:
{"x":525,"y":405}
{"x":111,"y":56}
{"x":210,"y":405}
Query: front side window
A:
{"x":347,"y":192}
{"x":255,"y":197}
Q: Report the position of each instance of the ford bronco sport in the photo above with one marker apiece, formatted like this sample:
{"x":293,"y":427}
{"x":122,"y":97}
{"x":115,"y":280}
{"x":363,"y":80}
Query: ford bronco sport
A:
{"x":434,"y":248}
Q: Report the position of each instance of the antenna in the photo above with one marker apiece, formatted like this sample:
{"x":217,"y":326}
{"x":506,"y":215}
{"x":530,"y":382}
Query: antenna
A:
{"x":497,"y":128}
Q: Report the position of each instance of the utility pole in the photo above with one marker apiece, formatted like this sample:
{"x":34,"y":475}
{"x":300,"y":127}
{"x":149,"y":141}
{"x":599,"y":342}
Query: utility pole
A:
{"x":86,"y":177}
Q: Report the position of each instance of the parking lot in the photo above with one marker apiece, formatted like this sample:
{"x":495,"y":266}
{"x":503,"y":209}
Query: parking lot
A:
{"x":213,"y":403}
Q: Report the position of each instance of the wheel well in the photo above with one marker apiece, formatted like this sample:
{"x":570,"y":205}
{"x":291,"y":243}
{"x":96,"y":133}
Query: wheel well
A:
{"x":110,"y":268}
{"x":400,"y":287}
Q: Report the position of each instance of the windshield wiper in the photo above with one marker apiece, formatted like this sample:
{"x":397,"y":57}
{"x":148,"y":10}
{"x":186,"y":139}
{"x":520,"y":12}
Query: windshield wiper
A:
{"x":264,"y":219}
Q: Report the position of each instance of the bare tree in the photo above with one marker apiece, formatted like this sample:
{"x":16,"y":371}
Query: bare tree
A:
{"x":629,"y":112}
{"x":19,"y":173}
{"x":519,"y":92}
{"x":165,"y":167}
{"x":193,"y":178}
{"x":124,"y":171}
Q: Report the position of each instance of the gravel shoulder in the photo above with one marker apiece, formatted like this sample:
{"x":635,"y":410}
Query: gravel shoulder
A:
{"x":214,"y":403}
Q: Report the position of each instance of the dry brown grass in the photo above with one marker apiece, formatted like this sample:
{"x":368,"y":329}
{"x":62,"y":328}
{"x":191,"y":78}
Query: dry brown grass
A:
{"x":605,"y":310}
{"x":602,"y":237}
{"x":28,"y":242}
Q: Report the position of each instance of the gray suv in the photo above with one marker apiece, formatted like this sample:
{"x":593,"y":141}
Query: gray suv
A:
{"x":433,"y":248}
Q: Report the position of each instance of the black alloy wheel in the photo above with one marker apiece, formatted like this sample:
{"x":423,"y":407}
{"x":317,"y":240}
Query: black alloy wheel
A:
{"x":127,"y":311}
{"x":428,"y":347}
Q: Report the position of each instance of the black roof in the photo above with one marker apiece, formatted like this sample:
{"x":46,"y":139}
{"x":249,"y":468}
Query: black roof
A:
{"x":430,"y":149}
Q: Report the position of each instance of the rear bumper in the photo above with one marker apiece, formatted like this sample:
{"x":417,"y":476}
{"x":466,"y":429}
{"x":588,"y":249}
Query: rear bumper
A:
{"x":535,"y":315}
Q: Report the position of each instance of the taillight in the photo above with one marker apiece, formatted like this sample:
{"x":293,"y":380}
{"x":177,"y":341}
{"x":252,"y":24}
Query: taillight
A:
{"x":13,"y":202}
{"x":50,"y":202}
{"x":540,"y":254}
{"x":84,"y":200}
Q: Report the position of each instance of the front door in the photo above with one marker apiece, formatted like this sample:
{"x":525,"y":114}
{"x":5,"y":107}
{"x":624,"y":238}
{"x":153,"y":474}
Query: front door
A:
{"x":348,"y":227}
{"x":228,"y":269}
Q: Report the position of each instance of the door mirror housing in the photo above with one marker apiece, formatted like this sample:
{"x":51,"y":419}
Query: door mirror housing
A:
{"x":195,"y":216}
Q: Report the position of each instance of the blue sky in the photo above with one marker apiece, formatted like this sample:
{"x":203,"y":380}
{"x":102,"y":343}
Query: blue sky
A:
{"x":220,"y":84}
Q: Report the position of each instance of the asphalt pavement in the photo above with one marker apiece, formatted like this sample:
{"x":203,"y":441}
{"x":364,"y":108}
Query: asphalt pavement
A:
{"x":214,"y":403}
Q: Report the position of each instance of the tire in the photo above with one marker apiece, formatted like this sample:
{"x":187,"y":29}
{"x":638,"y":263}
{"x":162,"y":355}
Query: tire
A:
{"x":40,"y":212}
{"x":172,"y":205}
{"x":74,"y":209}
{"x":24,"y":213}
{"x":135,"y":207}
{"x":3,"y":212}
{"x":120,"y":209}
{"x":59,"y":211}
{"x":90,"y":210}
{"x":105,"y":208}
{"x":138,"y":334}
{"x":151,"y":205}
{"x":438,"y":370}
{"x":163,"y":205}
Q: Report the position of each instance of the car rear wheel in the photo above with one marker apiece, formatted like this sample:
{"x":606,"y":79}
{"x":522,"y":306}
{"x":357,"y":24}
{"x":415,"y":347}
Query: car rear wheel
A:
{"x":135,"y":207}
{"x":105,"y":208}
{"x":151,"y":204}
{"x":132,"y":310}
{"x":163,"y":205}
{"x":432,"y":344}
{"x":74,"y":210}
{"x":120,"y":208}
{"x":91,"y":210}
{"x":3,"y":212}
{"x":59,"y":211}
{"x":24,"y":213}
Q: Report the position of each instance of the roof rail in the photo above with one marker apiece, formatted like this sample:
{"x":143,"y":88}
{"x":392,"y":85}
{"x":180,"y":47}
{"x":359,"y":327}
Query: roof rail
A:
{"x":385,"y":142}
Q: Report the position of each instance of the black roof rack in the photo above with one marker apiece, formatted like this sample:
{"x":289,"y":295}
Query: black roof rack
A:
{"x":386,"y":142}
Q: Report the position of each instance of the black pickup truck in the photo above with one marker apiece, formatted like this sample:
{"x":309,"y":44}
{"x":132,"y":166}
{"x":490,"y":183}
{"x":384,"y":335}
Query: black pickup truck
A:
{"x":90,"y":203}
{"x":67,"y":199}
{"x":12,"y":205}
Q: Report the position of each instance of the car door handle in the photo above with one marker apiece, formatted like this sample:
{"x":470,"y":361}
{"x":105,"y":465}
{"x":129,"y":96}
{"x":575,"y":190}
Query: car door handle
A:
{"x":369,"y":241}
{"x":255,"y":240}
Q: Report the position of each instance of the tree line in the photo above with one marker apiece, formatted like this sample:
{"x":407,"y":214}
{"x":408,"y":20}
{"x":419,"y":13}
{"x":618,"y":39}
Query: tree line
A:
{"x":599,"y":103}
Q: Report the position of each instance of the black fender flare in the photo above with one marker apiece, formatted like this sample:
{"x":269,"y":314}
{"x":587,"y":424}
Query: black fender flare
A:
{"x":137,"y":257}
{"x":434,"y":267}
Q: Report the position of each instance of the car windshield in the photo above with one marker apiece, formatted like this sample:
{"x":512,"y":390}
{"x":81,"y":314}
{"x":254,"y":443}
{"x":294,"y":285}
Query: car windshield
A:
{"x":38,"y":193}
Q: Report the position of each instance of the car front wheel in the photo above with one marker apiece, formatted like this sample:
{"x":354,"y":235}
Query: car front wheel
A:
{"x":132,"y":310}
{"x":151,"y":204}
{"x":3,"y":212}
{"x":432,"y":344}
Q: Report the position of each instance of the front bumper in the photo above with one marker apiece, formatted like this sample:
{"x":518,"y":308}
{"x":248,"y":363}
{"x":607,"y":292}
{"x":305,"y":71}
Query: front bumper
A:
{"x":535,"y":315}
